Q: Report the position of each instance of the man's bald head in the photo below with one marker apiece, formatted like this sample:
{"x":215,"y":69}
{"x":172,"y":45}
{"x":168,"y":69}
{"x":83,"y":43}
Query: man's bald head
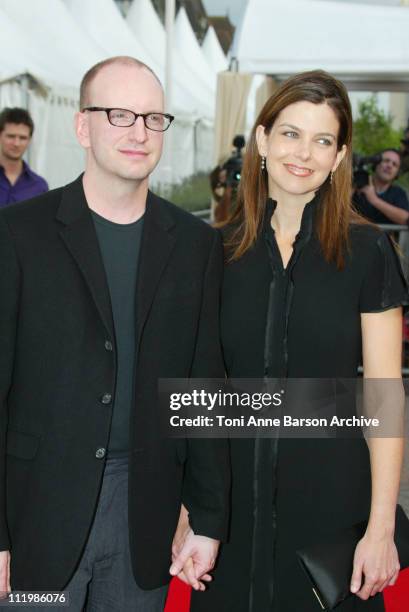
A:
{"x":121,"y":60}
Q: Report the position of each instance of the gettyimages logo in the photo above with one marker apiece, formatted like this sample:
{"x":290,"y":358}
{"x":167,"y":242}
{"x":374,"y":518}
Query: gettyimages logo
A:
{"x":209,"y":401}
{"x":286,"y":408}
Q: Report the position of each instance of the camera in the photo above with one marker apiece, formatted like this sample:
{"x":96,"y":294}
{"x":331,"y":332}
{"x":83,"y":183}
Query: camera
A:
{"x":405,"y":143}
{"x":234,"y":164}
{"x":361,"y":166}
{"x":404,"y":168}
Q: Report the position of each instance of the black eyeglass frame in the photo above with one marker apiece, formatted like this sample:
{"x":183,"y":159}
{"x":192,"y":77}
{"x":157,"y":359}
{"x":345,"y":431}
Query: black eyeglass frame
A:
{"x":136,"y":115}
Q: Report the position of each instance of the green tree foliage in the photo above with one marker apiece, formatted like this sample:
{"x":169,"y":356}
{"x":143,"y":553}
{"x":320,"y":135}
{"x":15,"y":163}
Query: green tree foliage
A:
{"x":373,"y":129}
{"x":192,"y":194}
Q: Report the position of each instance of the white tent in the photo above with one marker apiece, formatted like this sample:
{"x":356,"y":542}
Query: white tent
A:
{"x":18,"y":55}
{"x":109,"y":30}
{"x":213,"y":52}
{"x":68,"y":53}
{"x":192,"y":131}
{"x":187,"y":44}
{"x":104,"y":24}
{"x":43,"y":60}
{"x":357,"y":42}
{"x":146,"y":26}
{"x":51,"y":56}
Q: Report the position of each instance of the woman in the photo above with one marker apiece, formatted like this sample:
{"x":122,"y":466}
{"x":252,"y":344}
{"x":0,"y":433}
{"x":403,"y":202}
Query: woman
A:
{"x":310,"y":289}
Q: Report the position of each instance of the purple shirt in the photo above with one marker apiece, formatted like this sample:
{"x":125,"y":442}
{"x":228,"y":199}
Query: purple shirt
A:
{"x":28,"y":185}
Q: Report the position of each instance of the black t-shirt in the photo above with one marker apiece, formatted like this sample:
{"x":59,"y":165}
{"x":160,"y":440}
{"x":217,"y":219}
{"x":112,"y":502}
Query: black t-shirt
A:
{"x":120,"y":246}
{"x":394,"y":195}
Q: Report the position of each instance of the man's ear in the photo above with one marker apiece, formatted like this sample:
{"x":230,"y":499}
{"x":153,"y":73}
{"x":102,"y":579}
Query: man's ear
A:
{"x":81,"y":122}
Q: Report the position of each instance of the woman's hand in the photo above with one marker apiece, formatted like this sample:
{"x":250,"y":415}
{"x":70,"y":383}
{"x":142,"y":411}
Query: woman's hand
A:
{"x":375,"y":559}
{"x":187,"y":574}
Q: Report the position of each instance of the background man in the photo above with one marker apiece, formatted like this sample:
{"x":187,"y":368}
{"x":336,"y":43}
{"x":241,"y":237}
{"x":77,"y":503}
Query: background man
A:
{"x":381,"y":201}
{"x":17,"y":180}
{"x":105,"y":289}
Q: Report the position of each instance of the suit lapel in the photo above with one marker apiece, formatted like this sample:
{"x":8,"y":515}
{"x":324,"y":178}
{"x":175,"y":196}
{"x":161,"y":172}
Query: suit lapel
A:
{"x":158,"y":240}
{"x":81,"y":240}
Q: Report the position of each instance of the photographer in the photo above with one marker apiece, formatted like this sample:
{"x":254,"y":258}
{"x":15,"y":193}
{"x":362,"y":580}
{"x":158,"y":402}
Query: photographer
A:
{"x":380,"y":200}
{"x":224,"y":181}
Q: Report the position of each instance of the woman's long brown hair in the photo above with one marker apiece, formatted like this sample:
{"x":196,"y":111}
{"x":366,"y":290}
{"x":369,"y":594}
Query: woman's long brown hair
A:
{"x":335,"y":211}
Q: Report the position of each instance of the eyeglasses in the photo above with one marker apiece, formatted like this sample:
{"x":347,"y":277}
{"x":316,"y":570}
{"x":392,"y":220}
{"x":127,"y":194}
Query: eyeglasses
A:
{"x":121,"y":117}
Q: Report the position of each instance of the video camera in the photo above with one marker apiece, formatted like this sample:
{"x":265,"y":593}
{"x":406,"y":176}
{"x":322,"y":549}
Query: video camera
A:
{"x":404,"y":167}
{"x":361,"y":165}
{"x":405,"y":145}
{"x":234,"y":164}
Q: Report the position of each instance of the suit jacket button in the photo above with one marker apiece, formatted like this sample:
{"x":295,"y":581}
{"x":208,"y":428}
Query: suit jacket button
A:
{"x":108,"y":345}
{"x":106,"y":398}
{"x":100,"y":453}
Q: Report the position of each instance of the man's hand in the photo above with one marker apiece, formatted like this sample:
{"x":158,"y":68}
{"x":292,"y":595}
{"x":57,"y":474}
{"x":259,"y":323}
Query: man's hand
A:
{"x":369,"y":192}
{"x":4,"y":573}
{"x":181,"y":532}
{"x":194,"y":558}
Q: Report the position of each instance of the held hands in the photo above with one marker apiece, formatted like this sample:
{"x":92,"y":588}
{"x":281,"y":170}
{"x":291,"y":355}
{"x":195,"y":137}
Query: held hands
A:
{"x":193,"y":556}
{"x":4,"y":573}
{"x":376,"y":559}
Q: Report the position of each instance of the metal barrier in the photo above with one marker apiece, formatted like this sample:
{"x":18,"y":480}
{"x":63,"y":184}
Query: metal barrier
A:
{"x":202,"y":214}
{"x":394,"y":228}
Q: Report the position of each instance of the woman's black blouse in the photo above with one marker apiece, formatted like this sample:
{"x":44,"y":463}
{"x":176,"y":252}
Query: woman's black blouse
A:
{"x":306,"y":318}
{"x":302,"y":321}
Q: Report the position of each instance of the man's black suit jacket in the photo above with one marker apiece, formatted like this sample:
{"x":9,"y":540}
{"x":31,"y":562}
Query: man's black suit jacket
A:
{"x":56,"y":364}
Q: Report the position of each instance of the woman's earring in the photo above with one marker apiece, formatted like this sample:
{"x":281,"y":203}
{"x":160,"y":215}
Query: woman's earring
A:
{"x":263,"y":163}
{"x":331,"y":176}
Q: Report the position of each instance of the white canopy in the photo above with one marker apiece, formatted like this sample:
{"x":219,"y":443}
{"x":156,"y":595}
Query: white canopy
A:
{"x":353,"y":41}
{"x":56,"y":51}
{"x":213,"y":52}
{"x":64,"y":51}
{"x":103,"y":23}
{"x":54,"y":54}
{"x":147,"y":28}
{"x":18,"y":54}
{"x":187,"y":44}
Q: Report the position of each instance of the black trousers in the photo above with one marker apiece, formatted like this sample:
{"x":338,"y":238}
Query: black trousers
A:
{"x":104,"y":581}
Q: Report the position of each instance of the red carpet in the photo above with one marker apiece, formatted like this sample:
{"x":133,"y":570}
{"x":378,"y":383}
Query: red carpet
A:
{"x":396,"y":598}
{"x":179,"y":597}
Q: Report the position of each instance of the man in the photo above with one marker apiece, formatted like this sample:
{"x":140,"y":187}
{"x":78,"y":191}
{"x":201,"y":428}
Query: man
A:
{"x":381,"y":201}
{"x":17,"y":180}
{"x":105,"y":289}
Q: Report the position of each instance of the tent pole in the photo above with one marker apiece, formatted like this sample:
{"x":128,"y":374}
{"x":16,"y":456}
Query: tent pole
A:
{"x":169,"y":24}
{"x":24,"y":82}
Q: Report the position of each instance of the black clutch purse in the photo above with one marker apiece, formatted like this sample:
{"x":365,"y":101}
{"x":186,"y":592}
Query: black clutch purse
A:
{"x":328,"y":564}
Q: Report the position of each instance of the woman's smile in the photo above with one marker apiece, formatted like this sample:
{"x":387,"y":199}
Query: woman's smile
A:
{"x":300,"y":171}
